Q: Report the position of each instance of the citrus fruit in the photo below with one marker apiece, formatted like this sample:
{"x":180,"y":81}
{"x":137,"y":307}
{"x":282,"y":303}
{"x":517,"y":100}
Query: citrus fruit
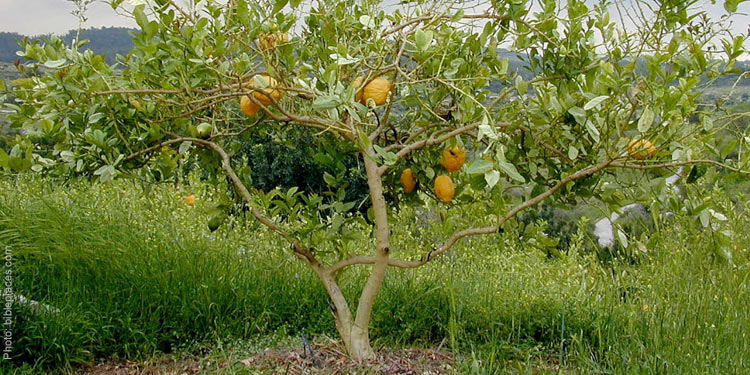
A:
{"x":453,"y":158}
{"x":408,"y":181}
{"x":248,"y":106}
{"x":641,"y":149}
{"x":377,"y":90}
{"x":444,"y":188}
{"x":266,"y":95}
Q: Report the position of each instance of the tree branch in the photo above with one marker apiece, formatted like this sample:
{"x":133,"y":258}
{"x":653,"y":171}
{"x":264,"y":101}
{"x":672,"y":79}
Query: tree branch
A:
{"x":495,"y":228}
{"x":150,"y":149}
{"x":237,"y":133}
{"x":453,"y":239}
{"x":678,"y":164}
{"x":434,"y":141}
{"x":438,"y":17}
{"x":300,"y":251}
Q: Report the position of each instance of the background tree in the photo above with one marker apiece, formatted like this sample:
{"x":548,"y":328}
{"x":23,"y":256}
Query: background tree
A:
{"x":420,"y":85}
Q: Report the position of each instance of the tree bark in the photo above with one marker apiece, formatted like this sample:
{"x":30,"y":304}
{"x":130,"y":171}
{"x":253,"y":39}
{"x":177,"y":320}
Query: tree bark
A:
{"x":360,"y":337}
{"x":342,"y":315}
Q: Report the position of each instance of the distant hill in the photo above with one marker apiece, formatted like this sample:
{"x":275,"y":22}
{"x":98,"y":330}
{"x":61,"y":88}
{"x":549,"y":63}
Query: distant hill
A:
{"x":107,"y":41}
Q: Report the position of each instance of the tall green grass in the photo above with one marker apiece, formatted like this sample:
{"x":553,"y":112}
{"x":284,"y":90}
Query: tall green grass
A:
{"x":136,"y":271}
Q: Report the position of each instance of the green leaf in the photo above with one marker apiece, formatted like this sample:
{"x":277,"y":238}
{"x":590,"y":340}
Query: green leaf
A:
{"x":486,"y":130}
{"x":67,"y":156}
{"x":457,"y":17}
{"x":3,"y":158}
{"x":731,"y":5}
{"x":185,"y":146}
{"x":325,"y":102}
{"x":511,"y":171}
{"x":329,"y":179}
{"x":140,"y":17}
{"x":705,"y":218}
{"x":623,"y":238}
{"x":115,"y":3}
{"x":96,"y":117}
{"x":572,"y":152}
{"x":647,"y":118}
{"x":429,"y":173}
{"x":280,"y":4}
{"x":593,"y":131}
{"x":595,"y":102}
{"x":105,"y":173}
{"x":521,"y":85}
{"x":53,"y":64}
{"x":492,"y":178}
{"x":367,"y":22}
{"x":389,"y":158}
{"x":423,"y":39}
{"x":724,"y":252}
{"x":578,"y":112}
{"x":480,"y":166}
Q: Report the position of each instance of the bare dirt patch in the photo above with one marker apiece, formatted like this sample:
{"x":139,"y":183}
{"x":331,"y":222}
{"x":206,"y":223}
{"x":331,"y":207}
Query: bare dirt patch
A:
{"x":312,"y":359}
{"x":331,"y":359}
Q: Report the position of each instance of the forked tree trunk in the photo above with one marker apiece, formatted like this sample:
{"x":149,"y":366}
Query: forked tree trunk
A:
{"x":354,"y":330}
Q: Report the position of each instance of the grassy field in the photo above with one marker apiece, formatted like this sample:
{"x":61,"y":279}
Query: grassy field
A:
{"x":136,"y":275}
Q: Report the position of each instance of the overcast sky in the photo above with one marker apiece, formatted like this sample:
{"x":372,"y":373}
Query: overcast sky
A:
{"x":34,"y":17}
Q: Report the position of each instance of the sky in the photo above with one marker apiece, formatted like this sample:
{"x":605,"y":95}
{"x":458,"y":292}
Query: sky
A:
{"x":35,"y":17}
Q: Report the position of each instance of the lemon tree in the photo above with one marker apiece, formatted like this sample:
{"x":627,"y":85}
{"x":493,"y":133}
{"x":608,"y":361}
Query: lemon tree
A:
{"x":542,"y":98}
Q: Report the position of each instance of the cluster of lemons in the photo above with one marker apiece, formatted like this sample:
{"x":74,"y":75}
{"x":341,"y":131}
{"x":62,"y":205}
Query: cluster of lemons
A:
{"x":376,"y":89}
{"x":268,"y":95}
{"x":453,"y":159}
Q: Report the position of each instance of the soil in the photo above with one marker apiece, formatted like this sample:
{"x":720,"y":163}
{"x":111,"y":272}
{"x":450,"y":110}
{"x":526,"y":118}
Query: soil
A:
{"x":312,"y":359}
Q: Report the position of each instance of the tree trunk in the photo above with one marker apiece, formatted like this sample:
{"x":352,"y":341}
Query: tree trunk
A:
{"x":356,"y":340}
{"x":354,"y":331}
{"x":361,"y":348}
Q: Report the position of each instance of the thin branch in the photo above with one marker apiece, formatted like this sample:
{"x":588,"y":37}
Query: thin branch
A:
{"x":428,"y":142}
{"x":495,"y":228}
{"x":678,"y":164}
{"x":434,"y":141}
{"x":305,"y":94}
{"x":546,"y":145}
{"x":136,"y":91}
{"x":299,"y":250}
{"x":473,"y":231}
{"x":361,"y":259}
{"x":152,"y":148}
{"x":237,"y":133}
{"x":404,"y":25}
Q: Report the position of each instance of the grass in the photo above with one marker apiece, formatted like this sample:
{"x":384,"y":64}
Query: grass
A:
{"x":135,"y":274}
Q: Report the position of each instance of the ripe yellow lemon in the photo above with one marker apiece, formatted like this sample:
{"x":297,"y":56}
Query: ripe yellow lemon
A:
{"x":377,"y":90}
{"x":641,"y":149}
{"x":266,"y":95}
{"x":453,"y":158}
{"x":444,"y":188}
{"x":248,"y":106}
{"x":408,"y":181}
